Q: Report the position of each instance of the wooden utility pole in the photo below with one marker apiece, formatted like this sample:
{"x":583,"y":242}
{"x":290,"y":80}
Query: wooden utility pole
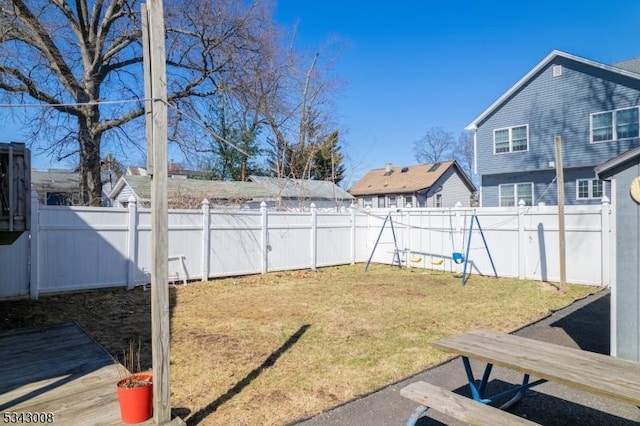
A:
{"x":560,"y":175}
{"x":156,"y":90}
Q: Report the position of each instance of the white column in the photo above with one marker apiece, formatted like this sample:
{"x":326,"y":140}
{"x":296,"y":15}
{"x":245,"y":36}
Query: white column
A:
{"x":605,"y":225}
{"x":314,"y":236}
{"x":132,"y":239}
{"x":353,"y":235}
{"x":522,"y":243}
{"x":206,"y":224}
{"x":265,"y":237}
{"x":34,"y":280}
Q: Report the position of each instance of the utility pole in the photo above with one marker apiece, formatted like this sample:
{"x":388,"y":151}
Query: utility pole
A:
{"x":560,"y":175}
{"x":155,"y":77}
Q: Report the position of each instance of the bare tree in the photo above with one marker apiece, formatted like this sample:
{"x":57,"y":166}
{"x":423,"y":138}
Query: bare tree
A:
{"x":74,"y":56}
{"x":464,"y":152}
{"x":436,"y":145}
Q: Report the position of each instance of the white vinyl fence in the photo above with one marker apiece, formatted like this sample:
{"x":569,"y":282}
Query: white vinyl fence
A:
{"x":74,"y":248}
{"x":523,"y":242}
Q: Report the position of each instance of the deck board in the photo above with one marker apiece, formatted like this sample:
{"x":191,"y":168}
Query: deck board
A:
{"x":59,"y":369}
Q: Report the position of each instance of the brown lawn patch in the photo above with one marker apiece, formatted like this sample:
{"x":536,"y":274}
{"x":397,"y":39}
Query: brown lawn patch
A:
{"x":275,"y":348}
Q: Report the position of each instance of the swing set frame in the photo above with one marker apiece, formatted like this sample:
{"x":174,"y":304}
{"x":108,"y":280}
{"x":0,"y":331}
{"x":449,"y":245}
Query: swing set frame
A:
{"x":458,"y":257}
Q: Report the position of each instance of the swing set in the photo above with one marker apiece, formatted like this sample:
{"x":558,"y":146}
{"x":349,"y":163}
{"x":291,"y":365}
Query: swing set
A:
{"x":458,"y":257}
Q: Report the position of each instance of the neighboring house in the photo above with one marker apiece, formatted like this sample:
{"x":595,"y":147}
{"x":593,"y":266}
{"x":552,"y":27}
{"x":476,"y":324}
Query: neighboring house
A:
{"x":423,"y":185}
{"x":62,"y":187}
{"x":281,"y":194}
{"x":593,"y":107}
{"x":188,"y":193}
{"x":299,"y":194}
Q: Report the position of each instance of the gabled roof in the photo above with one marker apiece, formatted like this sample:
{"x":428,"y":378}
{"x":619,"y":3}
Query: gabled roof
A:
{"x":406,"y":179}
{"x":193,"y":188}
{"x":295,"y":188}
{"x":622,"y":68}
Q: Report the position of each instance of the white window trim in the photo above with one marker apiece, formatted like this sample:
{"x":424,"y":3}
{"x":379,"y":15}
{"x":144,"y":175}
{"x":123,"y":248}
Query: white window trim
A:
{"x":511,"y":151}
{"x":437,"y":199}
{"x":614,"y":125}
{"x":590,"y":197}
{"x":515,"y":192}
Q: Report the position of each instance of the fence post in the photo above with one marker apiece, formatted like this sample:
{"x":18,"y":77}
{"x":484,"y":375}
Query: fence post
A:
{"x":353,"y":234}
{"x":521,"y":241}
{"x":605,"y":225}
{"x":132,"y":236}
{"x":34,"y":279}
{"x":314,"y":236}
{"x":206,"y":224}
{"x":265,"y":237}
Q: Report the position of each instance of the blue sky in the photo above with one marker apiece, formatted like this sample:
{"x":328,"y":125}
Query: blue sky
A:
{"x":412,"y":64}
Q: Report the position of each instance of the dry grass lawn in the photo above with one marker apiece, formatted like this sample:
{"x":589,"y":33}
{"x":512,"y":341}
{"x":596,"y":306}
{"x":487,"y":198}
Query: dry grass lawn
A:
{"x":283,"y":346}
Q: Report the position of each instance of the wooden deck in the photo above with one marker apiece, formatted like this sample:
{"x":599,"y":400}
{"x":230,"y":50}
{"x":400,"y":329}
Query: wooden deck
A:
{"x":60,"y":370}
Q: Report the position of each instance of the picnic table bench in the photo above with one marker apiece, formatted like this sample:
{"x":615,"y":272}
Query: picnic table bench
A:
{"x":587,"y":371}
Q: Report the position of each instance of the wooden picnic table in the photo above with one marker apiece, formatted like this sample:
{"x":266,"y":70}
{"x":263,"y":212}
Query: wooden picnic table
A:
{"x":587,"y":371}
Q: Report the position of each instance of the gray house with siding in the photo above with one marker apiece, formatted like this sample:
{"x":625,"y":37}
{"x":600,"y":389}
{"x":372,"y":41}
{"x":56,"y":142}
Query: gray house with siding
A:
{"x":423,"y":185}
{"x":593,"y":107}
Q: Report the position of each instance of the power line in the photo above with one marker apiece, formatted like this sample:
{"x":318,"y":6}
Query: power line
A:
{"x":72,"y":104}
{"x":127,"y":101}
{"x":206,"y":128}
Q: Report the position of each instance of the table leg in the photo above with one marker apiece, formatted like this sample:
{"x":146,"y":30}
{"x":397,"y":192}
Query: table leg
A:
{"x":417,"y":413}
{"x":478,"y":390}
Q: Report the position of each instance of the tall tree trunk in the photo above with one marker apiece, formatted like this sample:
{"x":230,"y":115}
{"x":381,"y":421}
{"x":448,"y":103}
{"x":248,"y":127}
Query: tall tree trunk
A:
{"x":90,"y":170}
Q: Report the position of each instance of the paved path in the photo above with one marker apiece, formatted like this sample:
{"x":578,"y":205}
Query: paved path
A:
{"x":584,"y":325}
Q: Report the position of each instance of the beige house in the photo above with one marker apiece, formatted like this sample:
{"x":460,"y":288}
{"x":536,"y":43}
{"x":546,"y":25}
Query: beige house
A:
{"x":423,"y":185}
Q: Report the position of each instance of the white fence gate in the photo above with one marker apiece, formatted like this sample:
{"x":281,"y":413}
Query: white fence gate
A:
{"x":73,"y":248}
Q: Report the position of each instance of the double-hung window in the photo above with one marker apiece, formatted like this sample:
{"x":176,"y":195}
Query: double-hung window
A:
{"x":510,"y":194}
{"x":615,"y":125}
{"x":511,"y":139}
{"x":589,"y":189}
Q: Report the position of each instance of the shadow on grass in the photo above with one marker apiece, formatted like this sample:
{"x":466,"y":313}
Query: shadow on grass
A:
{"x":200,"y":415}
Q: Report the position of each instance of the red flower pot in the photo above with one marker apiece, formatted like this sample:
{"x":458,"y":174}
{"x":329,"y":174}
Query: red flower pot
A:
{"x":135,"y":395}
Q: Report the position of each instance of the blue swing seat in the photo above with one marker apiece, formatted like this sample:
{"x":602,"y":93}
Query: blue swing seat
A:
{"x":458,"y":257}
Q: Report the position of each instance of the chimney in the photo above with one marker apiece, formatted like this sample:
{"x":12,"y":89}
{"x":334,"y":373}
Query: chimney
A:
{"x":387,"y":168}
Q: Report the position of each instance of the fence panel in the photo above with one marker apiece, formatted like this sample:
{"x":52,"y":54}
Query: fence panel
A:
{"x":82,"y":248}
{"x":333,"y":238}
{"x":289,"y":241}
{"x":235,"y":246}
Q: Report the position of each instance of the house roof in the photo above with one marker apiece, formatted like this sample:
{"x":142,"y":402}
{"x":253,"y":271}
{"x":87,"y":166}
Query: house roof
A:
{"x":602,"y":171}
{"x":193,"y":188}
{"x":58,"y":180}
{"x":63,"y":180}
{"x":294,"y":188}
{"x":405,"y":179}
{"x":629,"y":68}
{"x":632,"y":65}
